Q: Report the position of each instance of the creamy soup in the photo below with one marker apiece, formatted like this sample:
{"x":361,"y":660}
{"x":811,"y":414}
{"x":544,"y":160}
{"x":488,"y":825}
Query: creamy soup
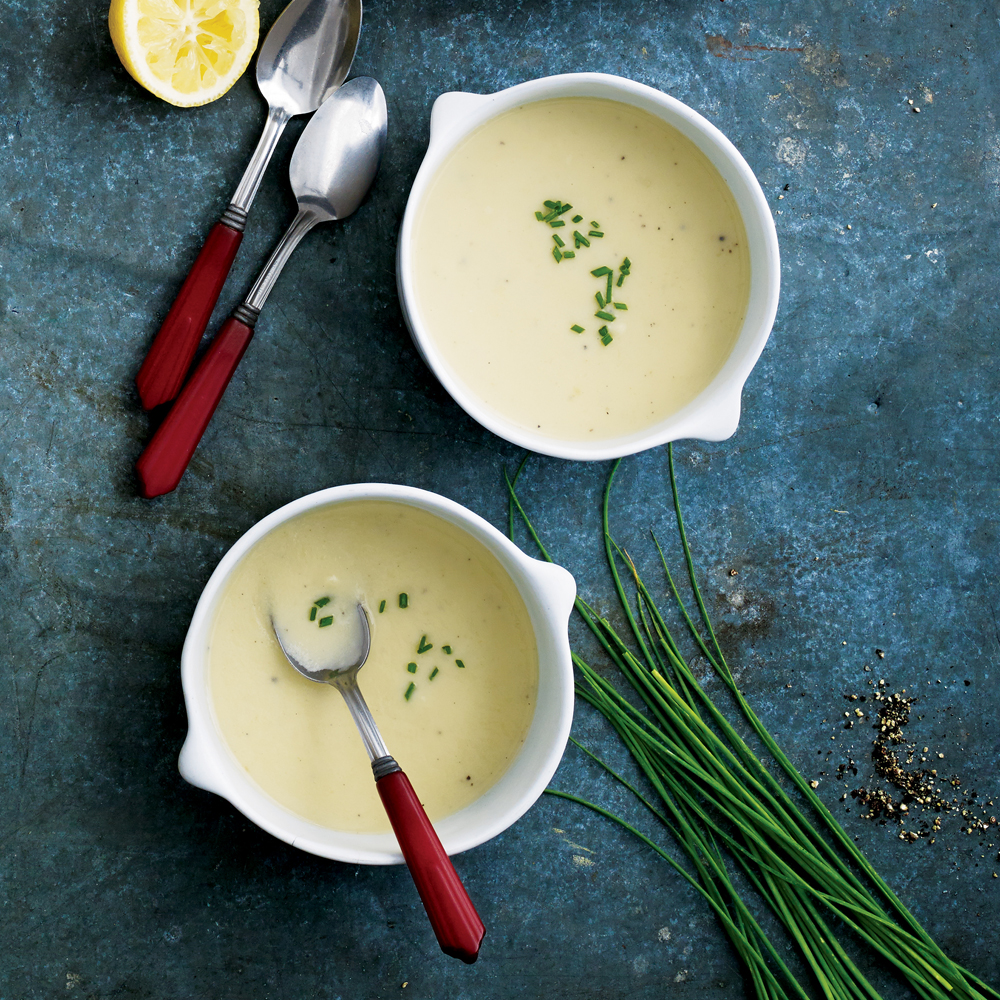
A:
{"x":451,"y":678}
{"x":507,"y":292}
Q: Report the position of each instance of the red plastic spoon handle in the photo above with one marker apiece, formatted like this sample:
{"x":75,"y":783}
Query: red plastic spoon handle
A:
{"x":454,"y":919}
{"x":162,"y":464}
{"x":162,"y":373}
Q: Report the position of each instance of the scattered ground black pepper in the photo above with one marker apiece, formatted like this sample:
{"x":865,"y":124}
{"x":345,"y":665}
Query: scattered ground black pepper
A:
{"x":914,"y":797}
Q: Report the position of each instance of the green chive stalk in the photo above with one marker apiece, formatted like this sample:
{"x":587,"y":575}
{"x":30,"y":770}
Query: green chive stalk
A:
{"x":726,"y":810}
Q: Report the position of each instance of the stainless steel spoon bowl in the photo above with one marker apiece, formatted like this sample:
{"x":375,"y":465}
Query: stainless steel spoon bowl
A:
{"x":342,"y":673}
{"x":307,"y":53}
{"x":306,"y":56}
{"x":333,"y":166}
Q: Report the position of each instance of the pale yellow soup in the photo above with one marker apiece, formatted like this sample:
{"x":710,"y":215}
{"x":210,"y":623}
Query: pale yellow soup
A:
{"x":470,"y":704}
{"x":500,"y":308}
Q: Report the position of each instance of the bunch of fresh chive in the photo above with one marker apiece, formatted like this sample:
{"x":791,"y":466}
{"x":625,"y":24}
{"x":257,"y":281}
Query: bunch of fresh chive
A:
{"x":725,"y":809}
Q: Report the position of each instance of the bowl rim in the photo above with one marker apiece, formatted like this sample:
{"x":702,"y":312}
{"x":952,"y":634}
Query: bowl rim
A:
{"x":207,"y":762}
{"x":714,"y":414}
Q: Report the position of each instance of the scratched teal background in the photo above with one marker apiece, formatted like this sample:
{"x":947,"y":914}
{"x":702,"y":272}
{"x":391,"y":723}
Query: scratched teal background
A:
{"x":857,"y":501}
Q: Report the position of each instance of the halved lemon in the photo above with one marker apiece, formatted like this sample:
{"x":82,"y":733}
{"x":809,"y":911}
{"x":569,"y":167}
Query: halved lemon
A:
{"x":188,"y":52}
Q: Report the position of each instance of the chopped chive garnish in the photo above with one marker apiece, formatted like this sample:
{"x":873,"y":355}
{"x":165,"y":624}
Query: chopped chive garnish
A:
{"x":410,"y":690}
{"x":411,"y":667}
{"x":626,"y":265}
{"x":621,"y":305}
{"x":607,"y":294}
{"x":328,"y":620}
{"x":434,"y":674}
{"x":557,"y":223}
{"x":576,"y":328}
{"x":381,"y":606}
{"x":312,"y":613}
{"x":598,"y":271}
{"x":578,"y":218}
{"x":600,"y":300}
{"x":568,"y":253}
{"x":595,"y":233}
{"x":555,"y":253}
{"x":601,"y":314}
{"x":606,"y":337}
{"x":459,"y":663}
{"x":551,"y":204}
{"x":621,"y":279}
{"x":539,"y":216}
{"x":403,"y":600}
{"x":322,"y":602}
{"x":596,"y":225}
{"x":447,"y":649}
{"x":424,"y":645}
{"x":558,"y":239}
{"x":579,"y":239}
{"x":562,"y":209}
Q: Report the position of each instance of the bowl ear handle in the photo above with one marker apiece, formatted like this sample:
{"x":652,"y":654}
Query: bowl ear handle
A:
{"x":722,"y":420}
{"x":195,"y":765}
{"x":450,"y":109}
{"x":558,"y":587}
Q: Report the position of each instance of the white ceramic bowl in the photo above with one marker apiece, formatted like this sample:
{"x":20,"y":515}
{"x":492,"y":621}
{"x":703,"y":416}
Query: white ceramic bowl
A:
{"x":548,"y":592}
{"x":714,"y":414}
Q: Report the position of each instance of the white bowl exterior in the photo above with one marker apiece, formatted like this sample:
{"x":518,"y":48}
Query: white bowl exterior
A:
{"x":548,"y":592}
{"x":714,"y":414}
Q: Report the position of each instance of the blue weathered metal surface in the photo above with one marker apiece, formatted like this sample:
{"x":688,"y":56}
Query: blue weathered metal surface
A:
{"x":857,"y":501}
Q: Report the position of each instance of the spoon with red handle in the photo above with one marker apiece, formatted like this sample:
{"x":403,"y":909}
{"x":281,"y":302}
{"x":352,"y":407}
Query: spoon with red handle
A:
{"x":333,"y":166}
{"x":454,"y":919}
{"x":304,"y":59}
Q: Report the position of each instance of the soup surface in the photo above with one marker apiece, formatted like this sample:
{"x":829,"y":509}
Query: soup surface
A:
{"x":451,"y":677}
{"x":509,"y":298}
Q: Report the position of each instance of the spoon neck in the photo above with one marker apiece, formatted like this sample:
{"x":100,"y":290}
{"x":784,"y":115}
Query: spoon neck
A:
{"x":370,"y":736}
{"x":301,"y":225}
{"x":277,"y":119}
